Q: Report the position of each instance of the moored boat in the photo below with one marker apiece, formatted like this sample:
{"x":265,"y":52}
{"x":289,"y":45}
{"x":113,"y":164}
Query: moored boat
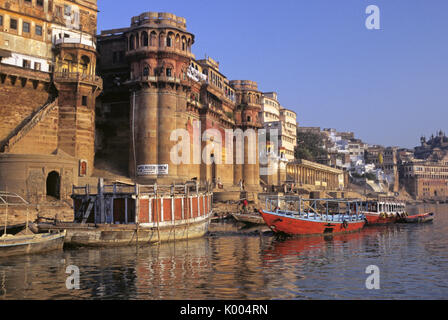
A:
{"x":418,"y":218}
{"x":297,"y":216}
{"x":11,"y":245}
{"x":18,"y":239}
{"x":249,"y":218}
{"x":382,"y":212}
{"x":121,"y":214}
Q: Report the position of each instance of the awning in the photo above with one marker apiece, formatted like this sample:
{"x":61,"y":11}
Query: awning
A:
{"x":5,"y":53}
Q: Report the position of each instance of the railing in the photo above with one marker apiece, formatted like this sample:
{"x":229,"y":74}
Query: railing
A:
{"x":83,"y":41}
{"x":78,"y":77}
{"x":316,"y":209}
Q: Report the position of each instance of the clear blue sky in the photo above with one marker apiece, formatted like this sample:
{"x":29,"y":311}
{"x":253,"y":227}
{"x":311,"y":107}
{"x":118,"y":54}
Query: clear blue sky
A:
{"x":389,"y":86}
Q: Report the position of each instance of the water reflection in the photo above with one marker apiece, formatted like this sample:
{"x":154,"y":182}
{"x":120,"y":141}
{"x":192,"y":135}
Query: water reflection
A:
{"x":246,"y":264}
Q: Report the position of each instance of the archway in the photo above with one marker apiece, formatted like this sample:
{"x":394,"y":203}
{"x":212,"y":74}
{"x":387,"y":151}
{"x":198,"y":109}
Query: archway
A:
{"x":54,"y":185}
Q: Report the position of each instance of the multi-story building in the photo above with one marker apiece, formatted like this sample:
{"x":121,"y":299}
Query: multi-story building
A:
{"x":275,"y":117}
{"x":385,"y":159}
{"x":47,"y":95}
{"x":152,"y":76}
{"x":426,"y":179}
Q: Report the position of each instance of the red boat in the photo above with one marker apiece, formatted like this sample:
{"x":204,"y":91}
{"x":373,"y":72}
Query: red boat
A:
{"x":382,"y":212}
{"x":418,"y":218}
{"x":297,"y":216}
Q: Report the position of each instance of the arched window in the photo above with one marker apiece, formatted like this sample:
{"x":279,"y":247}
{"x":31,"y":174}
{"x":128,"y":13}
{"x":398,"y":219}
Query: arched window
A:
{"x":84,"y":64}
{"x":131,"y":42}
{"x":137,"y":41}
{"x":184,"y":44}
{"x":153,"y":39}
{"x":144,"y":39}
{"x":169,"y":41}
{"x":162,"y":40}
{"x":146,"y":71}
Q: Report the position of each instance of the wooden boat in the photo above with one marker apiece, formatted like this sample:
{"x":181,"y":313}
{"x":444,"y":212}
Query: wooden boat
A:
{"x":382,"y":212}
{"x":119,"y":215}
{"x":12,"y":229}
{"x":418,"y":218}
{"x":312,"y":217}
{"x":27,"y":243}
{"x":30,"y":244}
{"x":249,"y":218}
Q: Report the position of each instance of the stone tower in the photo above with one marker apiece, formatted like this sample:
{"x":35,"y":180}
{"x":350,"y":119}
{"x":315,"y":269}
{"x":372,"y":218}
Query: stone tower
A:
{"x":78,"y":87}
{"x":159,"y":53}
{"x":248,"y":101}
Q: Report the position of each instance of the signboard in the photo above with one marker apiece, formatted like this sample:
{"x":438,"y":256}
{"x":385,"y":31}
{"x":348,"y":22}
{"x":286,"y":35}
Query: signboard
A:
{"x":152,"y":169}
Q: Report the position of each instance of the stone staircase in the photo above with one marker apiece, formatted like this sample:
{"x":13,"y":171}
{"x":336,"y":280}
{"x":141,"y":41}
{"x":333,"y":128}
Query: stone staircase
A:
{"x":26,"y":126}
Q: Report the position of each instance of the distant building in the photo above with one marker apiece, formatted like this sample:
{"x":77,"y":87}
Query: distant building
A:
{"x":426,"y":179}
{"x":424,"y":174}
{"x":436,"y":144}
{"x":385,"y":159}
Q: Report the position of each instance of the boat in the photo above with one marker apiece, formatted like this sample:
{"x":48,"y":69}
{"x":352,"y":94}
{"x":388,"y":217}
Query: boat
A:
{"x":249,"y":218}
{"x":123,"y":214}
{"x":418,"y":218}
{"x":11,"y":245}
{"x":12,"y":229}
{"x":381,"y":212}
{"x":18,"y":239}
{"x":297,"y":216}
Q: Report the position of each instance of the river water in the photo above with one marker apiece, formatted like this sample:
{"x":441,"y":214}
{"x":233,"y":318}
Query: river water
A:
{"x":234,"y":263}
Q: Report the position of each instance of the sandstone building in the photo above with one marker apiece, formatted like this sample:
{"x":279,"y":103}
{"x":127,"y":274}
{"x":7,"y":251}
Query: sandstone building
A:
{"x":47,"y":95}
{"x":155,"y":87}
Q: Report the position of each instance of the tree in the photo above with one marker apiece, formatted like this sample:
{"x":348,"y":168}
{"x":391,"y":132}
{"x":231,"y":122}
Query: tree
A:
{"x":310,"y":146}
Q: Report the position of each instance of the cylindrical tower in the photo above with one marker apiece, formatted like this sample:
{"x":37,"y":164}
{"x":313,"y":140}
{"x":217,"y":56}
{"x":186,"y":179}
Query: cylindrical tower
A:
{"x":248,"y":108}
{"x":159,"y":53}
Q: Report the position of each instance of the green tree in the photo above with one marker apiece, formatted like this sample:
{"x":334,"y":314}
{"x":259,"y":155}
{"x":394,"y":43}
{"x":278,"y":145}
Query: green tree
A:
{"x":310,"y":146}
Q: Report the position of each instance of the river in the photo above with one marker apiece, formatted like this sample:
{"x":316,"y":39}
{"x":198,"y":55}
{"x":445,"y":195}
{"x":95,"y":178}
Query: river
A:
{"x":234,"y":263}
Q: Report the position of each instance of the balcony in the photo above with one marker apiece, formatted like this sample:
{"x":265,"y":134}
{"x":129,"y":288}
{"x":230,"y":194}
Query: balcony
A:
{"x":62,"y":77}
{"x":84,"y":43}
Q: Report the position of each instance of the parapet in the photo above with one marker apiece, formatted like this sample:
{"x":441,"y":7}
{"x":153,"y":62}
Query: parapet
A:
{"x":158,"y":19}
{"x":244,"y":85}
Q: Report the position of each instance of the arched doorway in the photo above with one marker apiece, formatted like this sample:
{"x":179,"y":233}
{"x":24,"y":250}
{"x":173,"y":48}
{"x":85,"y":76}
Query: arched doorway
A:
{"x":54,"y":185}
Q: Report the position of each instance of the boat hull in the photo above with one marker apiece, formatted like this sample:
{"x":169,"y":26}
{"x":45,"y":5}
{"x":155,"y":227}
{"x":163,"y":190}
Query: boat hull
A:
{"x":297,"y":226}
{"x":376,"y":219}
{"x":32,"y":244}
{"x":249,"y":218}
{"x":419,"y":218}
{"x":91,"y":235}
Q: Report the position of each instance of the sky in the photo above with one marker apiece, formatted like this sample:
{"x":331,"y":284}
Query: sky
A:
{"x":389,"y":86}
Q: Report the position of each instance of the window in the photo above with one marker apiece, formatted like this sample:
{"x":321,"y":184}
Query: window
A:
{"x":58,"y":11}
{"x":26,"y":64}
{"x":84,"y":100}
{"x":13,"y":24}
{"x":28,"y":2}
{"x":40,"y":3}
{"x":38,"y":30}
{"x":1,"y":20}
{"x":168,"y":72}
{"x":37,"y":66}
{"x":26,"y":27}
